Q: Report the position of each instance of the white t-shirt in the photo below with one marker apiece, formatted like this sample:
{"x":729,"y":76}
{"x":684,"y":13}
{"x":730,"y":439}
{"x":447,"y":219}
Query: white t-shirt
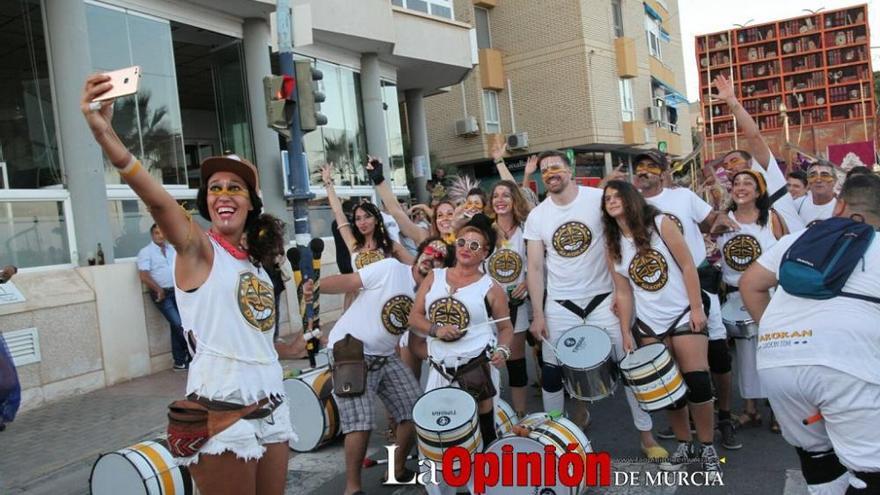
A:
{"x":687,"y":210}
{"x":656,"y":280}
{"x":574,"y":239}
{"x":740,"y":249}
{"x":810,"y":212}
{"x":380,"y":313}
{"x":841,"y":333}
{"x":507,"y":264}
{"x":785,"y":205}
{"x":465,"y":308}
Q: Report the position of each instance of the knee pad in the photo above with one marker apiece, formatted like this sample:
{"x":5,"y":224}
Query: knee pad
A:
{"x":719,"y":357}
{"x":517,"y":374}
{"x":820,"y":467}
{"x":551,"y":378}
{"x":871,"y":480}
{"x":699,"y":387}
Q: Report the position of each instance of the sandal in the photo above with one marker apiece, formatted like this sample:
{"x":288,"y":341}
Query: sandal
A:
{"x":749,"y":419}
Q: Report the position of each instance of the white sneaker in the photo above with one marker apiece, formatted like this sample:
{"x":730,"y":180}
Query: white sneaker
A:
{"x":679,"y":459}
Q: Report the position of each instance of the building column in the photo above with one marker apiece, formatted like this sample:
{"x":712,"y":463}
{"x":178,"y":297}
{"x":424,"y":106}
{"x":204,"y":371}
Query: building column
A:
{"x":267,"y":151}
{"x":374,"y":112}
{"x":81,"y":156}
{"x":418,"y":129}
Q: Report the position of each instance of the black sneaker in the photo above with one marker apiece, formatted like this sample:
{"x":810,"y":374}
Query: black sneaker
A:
{"x":679,"y":459}
{"x":181,"y":367}
{"x":729,"y":439}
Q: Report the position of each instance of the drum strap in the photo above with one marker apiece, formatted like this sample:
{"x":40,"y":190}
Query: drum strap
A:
{"x":583,"y":313}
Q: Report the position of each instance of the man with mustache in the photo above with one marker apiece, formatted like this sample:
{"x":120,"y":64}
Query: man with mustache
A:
{"x":378,"y":317}
{"x":567,"y":226}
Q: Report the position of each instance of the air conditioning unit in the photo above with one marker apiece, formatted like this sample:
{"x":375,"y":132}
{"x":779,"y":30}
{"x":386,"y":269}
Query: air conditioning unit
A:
{"x":467,"y":126}
{"x":655,"y":114}
{"x":518,"y":141}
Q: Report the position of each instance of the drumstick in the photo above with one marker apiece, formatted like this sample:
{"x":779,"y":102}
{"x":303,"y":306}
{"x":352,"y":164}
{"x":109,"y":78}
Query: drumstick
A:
{"x":813,"y":419}
{"x":550,"y":346}
{"x":463,"y":330}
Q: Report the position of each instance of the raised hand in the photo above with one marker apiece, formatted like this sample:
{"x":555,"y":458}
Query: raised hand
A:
{"x":724,"y":87}
{"x":531,"y":166}
{"x":499,"y":148}
{"x":100,"y":121}
{"x":327,"y":173}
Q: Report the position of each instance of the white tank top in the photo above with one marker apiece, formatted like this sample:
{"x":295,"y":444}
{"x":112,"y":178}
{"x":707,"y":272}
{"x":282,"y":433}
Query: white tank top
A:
{"x":507,"y":264}
{"x":740,"y":249}
{"x":465,"y":308}
{"x":232,"y":319}
{"x":657,"y":283}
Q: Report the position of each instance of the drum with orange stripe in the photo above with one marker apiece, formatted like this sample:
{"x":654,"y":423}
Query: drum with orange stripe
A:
{"x":446,"y":417}
{"x":651,"y":373}
{"x":313,"y":410}
{"x":147,"y":468}
{"x":542,"y":430}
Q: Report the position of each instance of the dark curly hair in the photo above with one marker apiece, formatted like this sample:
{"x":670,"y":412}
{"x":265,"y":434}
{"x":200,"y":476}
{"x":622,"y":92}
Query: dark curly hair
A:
{"x":383,"y":240}
{"x":638,"y":215}
{"x":264,"y":232}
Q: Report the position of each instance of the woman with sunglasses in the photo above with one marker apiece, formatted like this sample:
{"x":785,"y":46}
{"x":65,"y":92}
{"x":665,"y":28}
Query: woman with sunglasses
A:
{"x":655,"y":278}
{"x":507,"y":265}
{"x":758,"y":228}
{"x":454,"y":308}
{"x":819,"y":202}
{"x":227,"y":307}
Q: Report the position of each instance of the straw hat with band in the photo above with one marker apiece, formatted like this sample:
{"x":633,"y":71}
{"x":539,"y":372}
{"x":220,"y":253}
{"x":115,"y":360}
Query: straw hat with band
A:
{"x":757,"y":176}
{"x":234,"y":164}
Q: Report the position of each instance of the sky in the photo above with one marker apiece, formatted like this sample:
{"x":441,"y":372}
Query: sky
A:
{"x":708,"y":16}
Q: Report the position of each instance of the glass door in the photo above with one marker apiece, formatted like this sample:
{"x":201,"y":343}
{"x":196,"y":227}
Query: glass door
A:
{"x":230,"y":97}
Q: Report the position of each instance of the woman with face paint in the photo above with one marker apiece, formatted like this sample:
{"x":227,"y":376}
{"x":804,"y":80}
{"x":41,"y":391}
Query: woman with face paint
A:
{"x":758,"y":228}
{"x":227,"y":307}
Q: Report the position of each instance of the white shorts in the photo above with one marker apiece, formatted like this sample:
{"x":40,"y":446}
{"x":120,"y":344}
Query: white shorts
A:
{"x":247,"y":438}
{"x":522,"y":317}
{"x":850,"y":409}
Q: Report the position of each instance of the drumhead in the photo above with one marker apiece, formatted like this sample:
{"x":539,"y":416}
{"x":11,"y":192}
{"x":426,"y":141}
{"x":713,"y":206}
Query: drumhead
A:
{"x":525,"y":445}
{"x":114,"y":473}
{"x":642,"y":356}
{"x":444,"y":409}
{"x":734,"y":311}
{"x":306,"y":414}
{"x":583,"y":347}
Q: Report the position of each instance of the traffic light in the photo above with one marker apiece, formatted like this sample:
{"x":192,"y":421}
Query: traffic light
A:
{"x":308,"y":97}
{"x":279,"y":104}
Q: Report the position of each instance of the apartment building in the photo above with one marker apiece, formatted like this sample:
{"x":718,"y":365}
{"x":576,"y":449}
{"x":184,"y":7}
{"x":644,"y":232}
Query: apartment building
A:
{"x":603,"y":78}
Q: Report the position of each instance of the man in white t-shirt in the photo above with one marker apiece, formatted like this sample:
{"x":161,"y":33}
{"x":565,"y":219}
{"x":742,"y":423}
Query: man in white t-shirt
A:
{"x":819,"y":203}
{"x":759,"y":158}
{"x":567,"y":229}
{"x":378,"y":317}
{"x":693,"y":216}
{"x":819,"y":360}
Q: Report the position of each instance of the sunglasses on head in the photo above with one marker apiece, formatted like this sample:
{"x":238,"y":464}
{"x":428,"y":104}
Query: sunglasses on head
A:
{"x":471,"y":244}
{"x":434,"y":253}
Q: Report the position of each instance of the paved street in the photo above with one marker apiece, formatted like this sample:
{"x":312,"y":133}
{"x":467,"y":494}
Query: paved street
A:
{"x":51,"y":450}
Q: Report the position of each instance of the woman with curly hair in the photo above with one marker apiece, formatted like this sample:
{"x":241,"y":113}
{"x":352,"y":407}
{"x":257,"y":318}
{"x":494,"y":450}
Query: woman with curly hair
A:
{"x":655,"y":278}
{"x":227,"y":308}
{"x":507,"y":265}
{"x":759,"y":227}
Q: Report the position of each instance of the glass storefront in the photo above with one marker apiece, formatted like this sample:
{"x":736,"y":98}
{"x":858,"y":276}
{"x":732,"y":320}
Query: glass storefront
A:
{"x":33,"y":233}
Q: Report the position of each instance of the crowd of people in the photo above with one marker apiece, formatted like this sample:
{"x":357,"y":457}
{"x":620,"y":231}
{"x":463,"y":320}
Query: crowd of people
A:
{"x":464,"y":286}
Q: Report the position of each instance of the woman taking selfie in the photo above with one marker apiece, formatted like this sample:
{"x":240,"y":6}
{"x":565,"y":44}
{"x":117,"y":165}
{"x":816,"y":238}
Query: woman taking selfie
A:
{"x":655,"y":278}
{"x":227,"y":307}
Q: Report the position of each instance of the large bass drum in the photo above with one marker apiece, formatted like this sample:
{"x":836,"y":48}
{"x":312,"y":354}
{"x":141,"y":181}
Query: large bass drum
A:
{"x":146,"y":468}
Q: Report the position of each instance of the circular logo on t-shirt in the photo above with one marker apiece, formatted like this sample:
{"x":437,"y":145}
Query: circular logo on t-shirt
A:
{"x":365,"y":258}
{"x":740,"y":251}
{"x":676,"y":221}
{"x":449,"y":311}
{"x":572,"y":239}
{"x":649,"y":271}
{"x":395,"y":314}
{"x":505,"y":265}
{"x":256,"y":302}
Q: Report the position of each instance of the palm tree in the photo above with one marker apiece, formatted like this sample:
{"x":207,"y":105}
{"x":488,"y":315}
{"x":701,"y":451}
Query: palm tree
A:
{"x":144,"y":128}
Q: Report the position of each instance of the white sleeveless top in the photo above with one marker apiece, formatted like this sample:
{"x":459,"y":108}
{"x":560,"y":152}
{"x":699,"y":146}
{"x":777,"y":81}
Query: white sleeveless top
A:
{"x":467,"y":309}
{"x":232,"y":319}
{"x":656,"y":280}
{"x":507,"y":264}
{"x":740,"y":249}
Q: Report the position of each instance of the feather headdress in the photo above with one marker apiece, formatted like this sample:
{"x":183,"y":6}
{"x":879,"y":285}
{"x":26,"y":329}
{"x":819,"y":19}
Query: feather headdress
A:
{"x":458,"y":190}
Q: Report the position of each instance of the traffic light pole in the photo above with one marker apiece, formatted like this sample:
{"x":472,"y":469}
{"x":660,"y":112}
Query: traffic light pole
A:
{"x":298,"y":171}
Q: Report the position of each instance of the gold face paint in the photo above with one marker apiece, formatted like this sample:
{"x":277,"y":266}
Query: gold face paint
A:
{"x":814,"y":177}
{"x":551,"y":170}
{"x":648,"y":168}
{"x":228,"y":190}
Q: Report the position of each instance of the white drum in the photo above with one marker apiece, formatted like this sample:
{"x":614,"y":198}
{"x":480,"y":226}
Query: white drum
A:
{"x":146,"y":468}
{"x":654,"y":378}
{"x":446,"y":417}
{"x":588,"y":370}
{"x":543,"y":431}
{"x":737,"y":321}
{"x":505,"y":417}
{"x":313,"y":411}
